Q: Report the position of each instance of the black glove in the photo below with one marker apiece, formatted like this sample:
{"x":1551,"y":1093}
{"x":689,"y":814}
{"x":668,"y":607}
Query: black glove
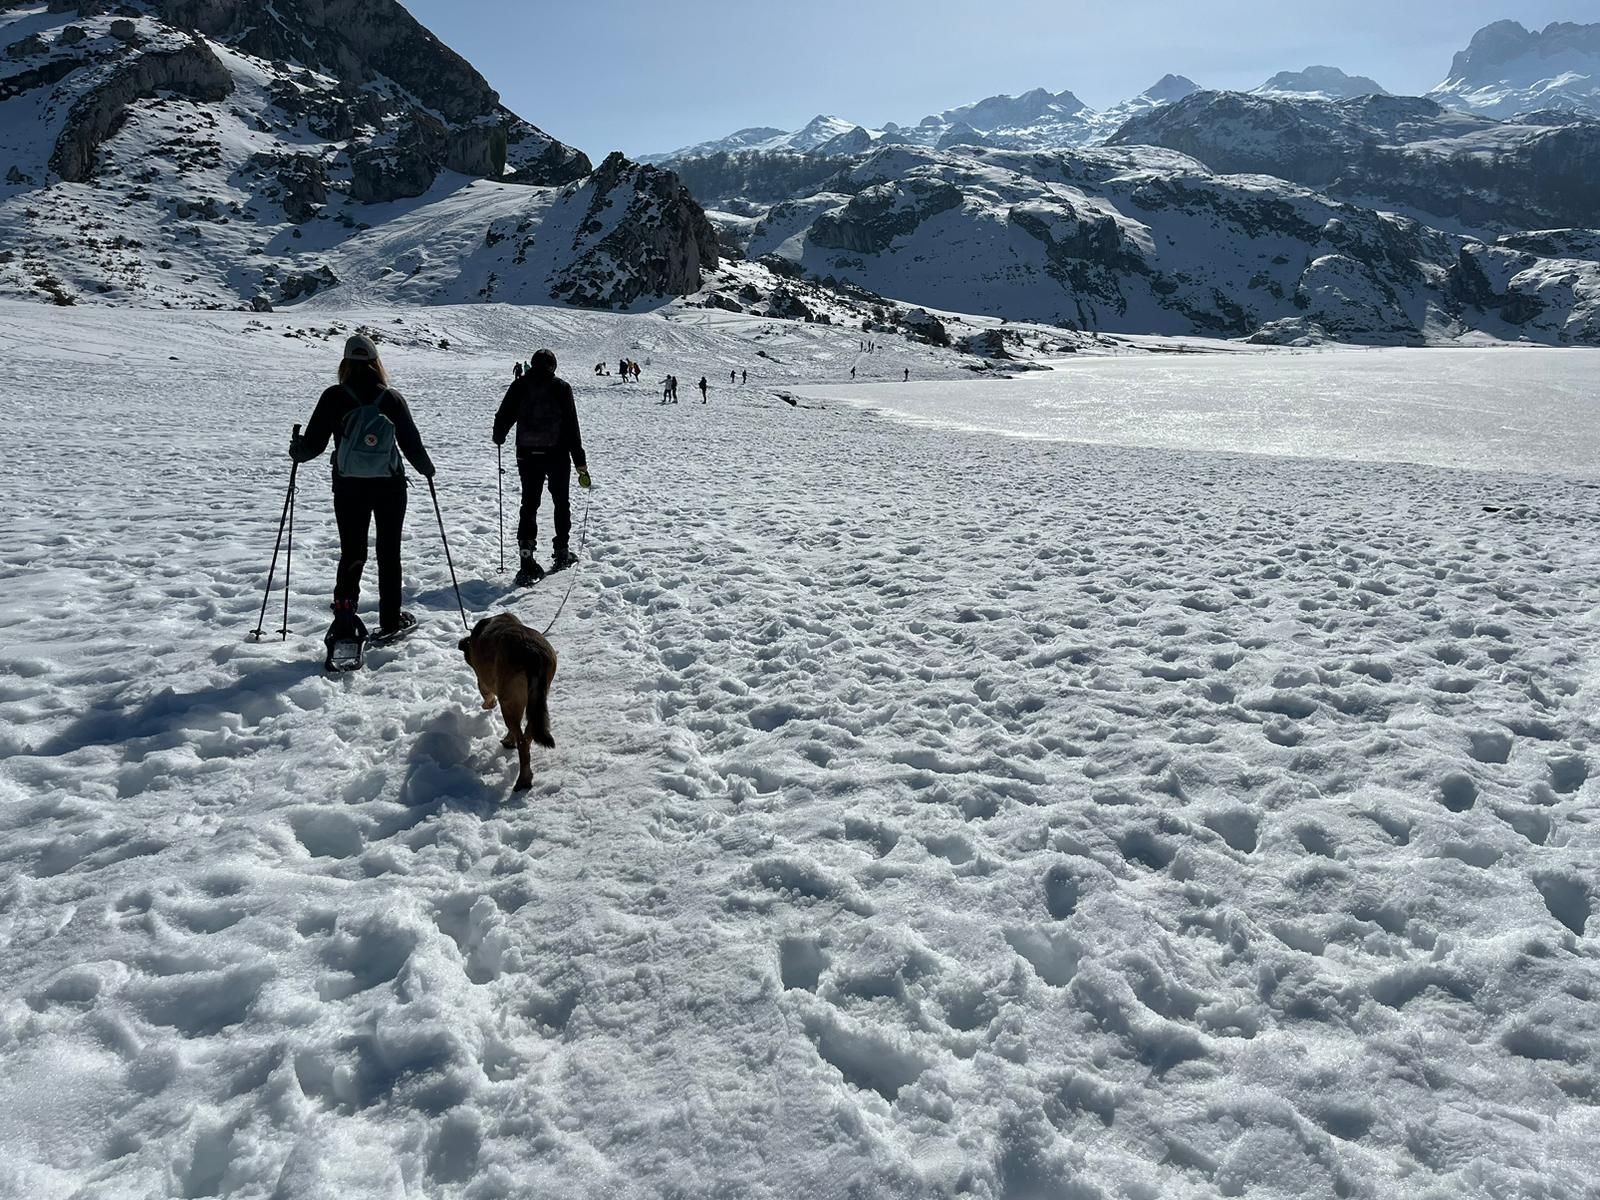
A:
{"x":296,"y":444}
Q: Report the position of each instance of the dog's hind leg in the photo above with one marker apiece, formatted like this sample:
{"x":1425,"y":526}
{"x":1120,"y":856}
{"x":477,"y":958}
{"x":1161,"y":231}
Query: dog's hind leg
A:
{"x":539,"y":705}
{"x":513,"y":706}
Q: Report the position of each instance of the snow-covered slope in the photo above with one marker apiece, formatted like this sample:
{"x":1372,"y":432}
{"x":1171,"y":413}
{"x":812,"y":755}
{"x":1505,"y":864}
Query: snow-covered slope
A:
{"x":147,"y":160}
{"x":1406,"y":152}
{"x":934,"y":815}
{"x":1319,"y":83}
{"x":1507,"y":70}
{"x":1146,"y":239}
{"x":816,"y":132}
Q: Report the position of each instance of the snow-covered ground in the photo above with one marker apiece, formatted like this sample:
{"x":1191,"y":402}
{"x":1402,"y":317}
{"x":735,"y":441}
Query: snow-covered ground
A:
{"x":935,"y":812}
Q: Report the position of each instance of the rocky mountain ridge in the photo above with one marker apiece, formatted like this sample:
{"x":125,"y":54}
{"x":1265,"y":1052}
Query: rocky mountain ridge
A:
{"x":1505,"y":72}
{"x":1134,"y":238}
{"x":221,"y":151}
{"x":1508,"y":70}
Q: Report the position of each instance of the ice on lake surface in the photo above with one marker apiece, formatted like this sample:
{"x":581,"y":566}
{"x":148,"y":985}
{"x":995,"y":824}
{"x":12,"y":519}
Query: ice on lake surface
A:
{"x":1512,"y":409}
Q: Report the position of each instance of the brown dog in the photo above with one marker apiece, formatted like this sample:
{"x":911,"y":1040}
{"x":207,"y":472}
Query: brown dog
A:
{"x":515,"y":665}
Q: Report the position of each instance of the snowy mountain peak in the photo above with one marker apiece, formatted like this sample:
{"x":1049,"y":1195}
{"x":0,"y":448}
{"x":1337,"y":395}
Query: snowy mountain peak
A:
{"x":1500,"y":50}
{"x":1170,"y":88}
{"x":1508,"y":69}
{"x":1320,"y":83}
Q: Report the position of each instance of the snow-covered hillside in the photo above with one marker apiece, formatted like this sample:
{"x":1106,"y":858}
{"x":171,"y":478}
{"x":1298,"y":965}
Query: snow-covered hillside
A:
{"x":151,"y":162}
{"x":1448,"y":168}
{"x":1319,"y":83}
{"x":1509,"y":70}
{"x":1139,"y":239}
{"x":934,"y":814}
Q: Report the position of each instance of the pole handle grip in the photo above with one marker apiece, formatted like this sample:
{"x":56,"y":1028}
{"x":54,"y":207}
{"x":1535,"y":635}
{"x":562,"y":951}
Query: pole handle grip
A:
{"x":297,"y":431}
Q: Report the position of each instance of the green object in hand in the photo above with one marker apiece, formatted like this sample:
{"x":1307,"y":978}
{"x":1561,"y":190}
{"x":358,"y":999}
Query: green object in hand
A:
{"x":583,"y":479}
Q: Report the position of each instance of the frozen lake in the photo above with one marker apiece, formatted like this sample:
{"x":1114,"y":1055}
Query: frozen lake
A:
{"x":1509,"y":409}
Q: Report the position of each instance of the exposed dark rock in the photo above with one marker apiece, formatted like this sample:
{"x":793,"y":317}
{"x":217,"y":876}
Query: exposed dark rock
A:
{"x":877,"y":215}
{"x":925,"y":327}
{"x":390,"y":173}
{"x":1405,"y":149}
{"x":656,"y":245}
{"x":28,"y":47}
{"x":305,"y":283}
{"x":192,"y":71}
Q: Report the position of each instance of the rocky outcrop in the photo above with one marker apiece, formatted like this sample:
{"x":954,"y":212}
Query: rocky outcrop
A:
{"x":642,"y":235}
{"x":192,"y":71}
{"x":882,"y":212}
{"x":1407,"y":151}
{"x":532,"y":156}
{"x":440,"y":115}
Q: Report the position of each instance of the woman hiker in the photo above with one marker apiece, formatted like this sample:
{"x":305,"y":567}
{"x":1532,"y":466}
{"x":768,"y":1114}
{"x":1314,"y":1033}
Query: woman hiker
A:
{"x":371,"y":428}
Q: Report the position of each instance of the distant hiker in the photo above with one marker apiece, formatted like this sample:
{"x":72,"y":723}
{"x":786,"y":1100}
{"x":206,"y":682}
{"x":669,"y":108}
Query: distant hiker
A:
{"x":636,"y":372}
{"x":666,"y":389}
{"x":908,"y":375}
{"x":371,"y":428}
{"x":600,"y":368}
{"x":549,"y":445}
{"x":622,"y":367}
{"x":672,"y":382}
{"x":733,"y":377}
{"x":744,"y":376}
{"x":852,"y":372}
{"x":703,"y":388}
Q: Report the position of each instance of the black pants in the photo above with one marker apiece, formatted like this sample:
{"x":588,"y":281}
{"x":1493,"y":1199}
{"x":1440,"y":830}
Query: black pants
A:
{"x":538,"y":467}
{"x":357,"y":505}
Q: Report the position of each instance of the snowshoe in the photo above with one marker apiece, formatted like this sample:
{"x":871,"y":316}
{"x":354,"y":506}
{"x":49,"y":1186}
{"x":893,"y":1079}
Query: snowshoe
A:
{"x":529,"y":574}
{"x":387,"y":637}
{"x":562,"y":561}
{"x":346,"y":641}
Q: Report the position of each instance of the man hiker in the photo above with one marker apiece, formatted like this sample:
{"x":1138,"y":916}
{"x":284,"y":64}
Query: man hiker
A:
{"x":516,"y":369}
{"x":703,"y":386}
{"x":907,"y":379}
{"x":733,"y":377}
{"x":371,"y":428}
{"x":744,"y":376}
{"x":549,"y":445}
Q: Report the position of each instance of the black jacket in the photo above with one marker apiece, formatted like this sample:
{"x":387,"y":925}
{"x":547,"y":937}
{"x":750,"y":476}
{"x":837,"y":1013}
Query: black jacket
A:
{"x":546,"y":417}
{"x":336,"y":405}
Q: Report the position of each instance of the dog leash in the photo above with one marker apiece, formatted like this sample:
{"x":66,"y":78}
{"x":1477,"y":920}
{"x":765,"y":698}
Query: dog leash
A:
{"x":583,"y":540}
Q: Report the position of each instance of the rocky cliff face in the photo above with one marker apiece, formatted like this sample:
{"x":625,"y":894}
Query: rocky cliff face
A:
{"x":1143,"y":239}
{"x":642,"y":235}
{"x":1428,"y":160}
{"x":1508,"y":70}
{"x":229,"y":152}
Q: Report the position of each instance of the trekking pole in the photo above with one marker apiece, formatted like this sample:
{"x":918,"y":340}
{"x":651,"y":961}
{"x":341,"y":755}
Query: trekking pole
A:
{"x":260,"y":630}
{"x":583,"y":540}
{"x":288,"y":549}
{"x":500,"y":483}
{"x":436,"y":512}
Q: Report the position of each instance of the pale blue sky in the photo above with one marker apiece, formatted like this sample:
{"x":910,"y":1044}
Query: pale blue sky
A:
{"x":652,"y":75}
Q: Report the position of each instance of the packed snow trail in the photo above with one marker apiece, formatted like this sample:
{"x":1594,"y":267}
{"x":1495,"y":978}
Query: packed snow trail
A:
{"x":933,"y":813}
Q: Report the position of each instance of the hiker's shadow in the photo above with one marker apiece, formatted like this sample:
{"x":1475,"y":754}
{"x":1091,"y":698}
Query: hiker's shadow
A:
{"x":171,"y":716}
{"x":442,"y":772}
{"x":479,"y":595}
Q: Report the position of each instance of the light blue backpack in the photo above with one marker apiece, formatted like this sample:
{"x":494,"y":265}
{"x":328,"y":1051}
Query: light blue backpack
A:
{"x":367,"y":450}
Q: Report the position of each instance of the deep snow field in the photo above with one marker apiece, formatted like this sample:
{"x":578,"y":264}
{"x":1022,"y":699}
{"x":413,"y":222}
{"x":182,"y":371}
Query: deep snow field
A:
{"x":935,"y":812}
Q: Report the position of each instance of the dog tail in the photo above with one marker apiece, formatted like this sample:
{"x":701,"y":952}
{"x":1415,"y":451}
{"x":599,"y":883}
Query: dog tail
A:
{"x":540,"y":676}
